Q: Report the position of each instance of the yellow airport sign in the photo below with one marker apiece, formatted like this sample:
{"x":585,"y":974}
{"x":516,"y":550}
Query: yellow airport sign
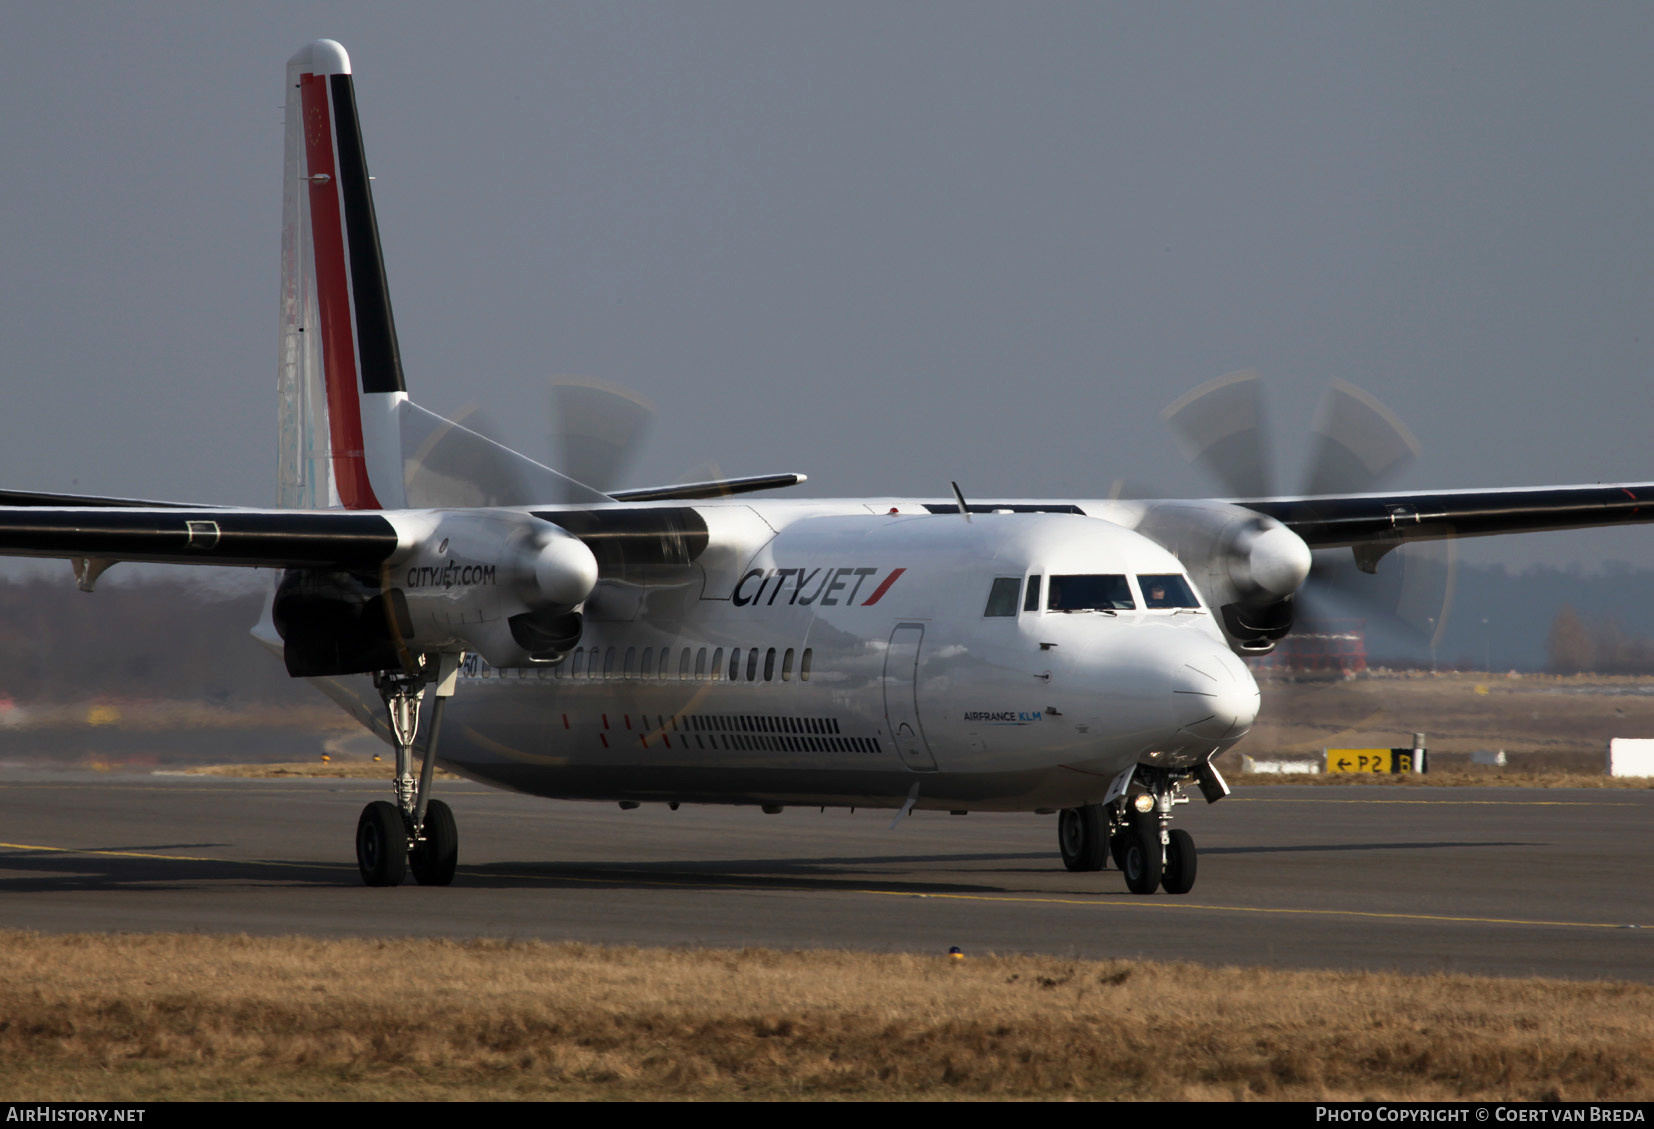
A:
{"x":1376,"y":761}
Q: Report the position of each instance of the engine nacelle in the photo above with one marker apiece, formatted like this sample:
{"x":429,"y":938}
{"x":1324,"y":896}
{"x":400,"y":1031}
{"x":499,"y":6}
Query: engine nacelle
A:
{"x":337,"y":623}
{"x":503,"y":584}
{"x":1247,"y":565}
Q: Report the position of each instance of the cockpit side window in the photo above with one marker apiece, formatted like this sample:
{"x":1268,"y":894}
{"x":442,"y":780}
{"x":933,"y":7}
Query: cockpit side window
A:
{"x":1002,"y":599}
{"x":1167,"y":590}
{"x":1030,"y":602}
{"x":1089,"y":594}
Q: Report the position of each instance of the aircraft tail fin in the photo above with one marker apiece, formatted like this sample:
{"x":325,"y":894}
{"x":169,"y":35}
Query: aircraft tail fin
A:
{"x":340,"y":376}
{"x":349,"y":436}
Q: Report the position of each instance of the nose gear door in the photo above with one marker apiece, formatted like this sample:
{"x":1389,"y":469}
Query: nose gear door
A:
{"x":901,"y":698}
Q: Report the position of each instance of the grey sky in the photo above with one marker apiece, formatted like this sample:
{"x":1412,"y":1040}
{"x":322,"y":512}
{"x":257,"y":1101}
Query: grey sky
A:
{"x":886,"y":244}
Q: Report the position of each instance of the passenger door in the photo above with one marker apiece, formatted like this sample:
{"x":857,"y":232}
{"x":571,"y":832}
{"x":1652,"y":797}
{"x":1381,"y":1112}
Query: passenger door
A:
{"x":901,"y":702}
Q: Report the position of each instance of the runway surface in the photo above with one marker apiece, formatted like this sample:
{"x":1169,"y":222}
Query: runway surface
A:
{"x":1497,"y":881}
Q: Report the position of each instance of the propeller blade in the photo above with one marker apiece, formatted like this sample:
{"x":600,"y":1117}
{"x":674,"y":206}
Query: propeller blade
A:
{"x":597,"y":429}
{"x":1309,"y":708}
{"x":1220,"y":426}
{"x":1134,"y":490}
{"x":1360,"y":443}
{"x":1406,"y":604}
{"x":449,"y":466}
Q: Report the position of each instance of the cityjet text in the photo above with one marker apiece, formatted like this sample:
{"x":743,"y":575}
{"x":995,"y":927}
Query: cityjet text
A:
{"x":826,"y":586}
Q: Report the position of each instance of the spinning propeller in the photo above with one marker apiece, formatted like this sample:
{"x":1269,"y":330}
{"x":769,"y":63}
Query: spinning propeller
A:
{"x":597,"y":430}
{"x":1360,"y":446}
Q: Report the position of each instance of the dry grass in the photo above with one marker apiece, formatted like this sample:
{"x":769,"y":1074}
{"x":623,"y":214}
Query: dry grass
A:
{"x":1554,"y":729}
{"x":137,"y":1018}
{"x":165,"y":716}
{"x":1546,"y":720}
{"x":1476,"y":777}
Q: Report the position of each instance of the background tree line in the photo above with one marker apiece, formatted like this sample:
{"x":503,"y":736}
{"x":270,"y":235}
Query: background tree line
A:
{"x":171,"y":638}
{"x":1598,"y":644}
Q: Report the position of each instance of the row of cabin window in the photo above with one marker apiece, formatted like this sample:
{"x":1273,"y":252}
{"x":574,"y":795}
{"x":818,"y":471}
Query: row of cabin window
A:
{"x":584,"y":663}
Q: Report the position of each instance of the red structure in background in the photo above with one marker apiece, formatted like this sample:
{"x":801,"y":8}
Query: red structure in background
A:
{"x":1327,"y":648}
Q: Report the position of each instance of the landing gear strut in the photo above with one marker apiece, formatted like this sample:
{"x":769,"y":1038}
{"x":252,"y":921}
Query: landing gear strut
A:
{"x":416,"y":832}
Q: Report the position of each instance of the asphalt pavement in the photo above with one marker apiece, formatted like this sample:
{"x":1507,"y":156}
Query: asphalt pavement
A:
{"x":1481,"y":880}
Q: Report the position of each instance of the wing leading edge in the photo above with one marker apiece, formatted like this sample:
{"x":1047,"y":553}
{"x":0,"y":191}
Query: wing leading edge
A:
{"x":1333,"y":521}
{"x":330,"y":539}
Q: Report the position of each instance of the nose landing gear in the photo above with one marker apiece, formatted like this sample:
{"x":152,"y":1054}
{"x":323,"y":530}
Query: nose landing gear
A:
{"x":1131,"y":825}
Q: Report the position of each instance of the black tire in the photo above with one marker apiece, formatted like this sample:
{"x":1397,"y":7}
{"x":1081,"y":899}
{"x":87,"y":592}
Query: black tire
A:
{"x":381,"y":845}
{"x":1117,"y":848}
{"x":1143,"y":857}
{"x":1179,"y":877}
{"x":1082,"y":837}
{"x":433,"y":859}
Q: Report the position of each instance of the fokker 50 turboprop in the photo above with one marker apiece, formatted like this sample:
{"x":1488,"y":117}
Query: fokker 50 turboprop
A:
{"x":687,"y":644}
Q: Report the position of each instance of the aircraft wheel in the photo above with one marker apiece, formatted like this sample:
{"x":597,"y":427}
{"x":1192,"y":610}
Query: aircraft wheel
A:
{"x":381,"y":844}
{"x":1081,"y":837}
{"x":1179,"y":877}
{"x":1143,"y":857}
{"x":1117,"y":848}
{"x":433,"y":860}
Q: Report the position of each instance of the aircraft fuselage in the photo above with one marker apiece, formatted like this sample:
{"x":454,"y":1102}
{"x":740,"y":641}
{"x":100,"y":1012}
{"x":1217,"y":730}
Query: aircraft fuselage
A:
{"x":814,"y":656}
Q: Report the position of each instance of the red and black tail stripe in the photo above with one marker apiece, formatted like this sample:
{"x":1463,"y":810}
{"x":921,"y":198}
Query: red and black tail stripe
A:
{"x":358,"y":334}
{"x":375,"y":326}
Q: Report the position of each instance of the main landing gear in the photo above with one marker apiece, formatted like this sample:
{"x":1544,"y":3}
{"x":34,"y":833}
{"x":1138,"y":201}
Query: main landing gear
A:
{"x":416,"y":832}
{"x":1130,"y":826}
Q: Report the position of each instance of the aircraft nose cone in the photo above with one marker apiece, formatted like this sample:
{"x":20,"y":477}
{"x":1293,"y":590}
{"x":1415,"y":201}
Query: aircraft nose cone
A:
{"x":1215,"y":697}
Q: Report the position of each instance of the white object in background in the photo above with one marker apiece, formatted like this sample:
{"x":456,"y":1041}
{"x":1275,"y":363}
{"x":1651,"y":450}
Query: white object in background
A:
{"x":1631,"y":756}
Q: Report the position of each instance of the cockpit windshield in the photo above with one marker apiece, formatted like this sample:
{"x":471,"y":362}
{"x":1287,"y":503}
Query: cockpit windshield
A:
{"x":1090,"y":594}
{"x":1167,"y":591}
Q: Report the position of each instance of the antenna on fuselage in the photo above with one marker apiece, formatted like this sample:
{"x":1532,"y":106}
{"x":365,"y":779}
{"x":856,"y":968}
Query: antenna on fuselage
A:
{"x":964,"y":510}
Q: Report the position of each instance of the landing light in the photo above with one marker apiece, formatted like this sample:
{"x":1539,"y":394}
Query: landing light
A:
{"x":1144,"y":803}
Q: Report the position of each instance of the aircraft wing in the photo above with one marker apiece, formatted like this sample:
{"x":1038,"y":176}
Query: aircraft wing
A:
{"x":1330,"y":521}
{"x":715,"y":488}
{"x":329,"y":539}
{"x":34,"y":498}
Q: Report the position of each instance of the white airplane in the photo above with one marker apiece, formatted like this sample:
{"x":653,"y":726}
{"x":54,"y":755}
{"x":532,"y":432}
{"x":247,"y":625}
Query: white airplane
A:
{"x":678,"y":645}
